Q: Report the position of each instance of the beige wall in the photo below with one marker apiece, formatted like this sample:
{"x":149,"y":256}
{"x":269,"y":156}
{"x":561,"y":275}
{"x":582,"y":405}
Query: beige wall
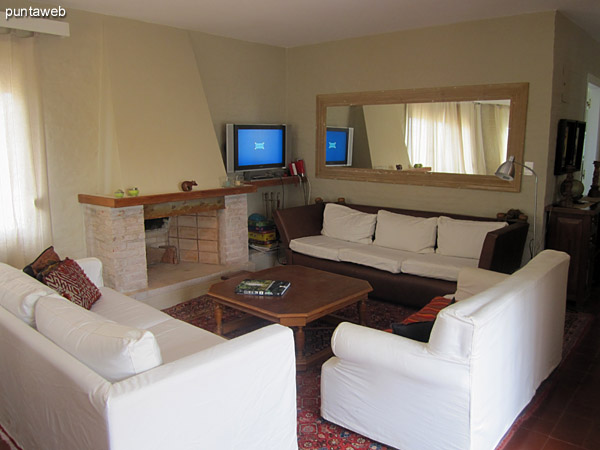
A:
{"x":386,"y":137}
{"x":244,"y":82}
{"x":162,"y":125}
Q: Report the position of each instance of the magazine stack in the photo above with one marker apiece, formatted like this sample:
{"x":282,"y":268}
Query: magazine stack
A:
{"x":262,"y":234}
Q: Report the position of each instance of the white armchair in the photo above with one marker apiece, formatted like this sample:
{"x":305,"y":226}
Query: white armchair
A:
{"x":462,"y":390}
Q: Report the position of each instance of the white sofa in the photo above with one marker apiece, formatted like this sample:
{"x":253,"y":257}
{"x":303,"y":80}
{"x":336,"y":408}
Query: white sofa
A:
{"x":486,"y":356}
{"x":205,"y":392}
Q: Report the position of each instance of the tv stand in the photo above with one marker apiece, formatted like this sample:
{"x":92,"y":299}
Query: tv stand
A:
{"x":267,"y":175}
{"x":267,"y":182}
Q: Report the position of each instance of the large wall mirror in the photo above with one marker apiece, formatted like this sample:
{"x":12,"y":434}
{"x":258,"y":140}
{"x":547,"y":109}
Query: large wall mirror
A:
{"x":448,"y":137}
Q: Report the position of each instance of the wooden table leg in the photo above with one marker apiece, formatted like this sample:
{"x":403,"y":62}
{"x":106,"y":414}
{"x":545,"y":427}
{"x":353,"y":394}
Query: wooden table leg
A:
{"x":219,"y":319}
{"x":300,"y":340}
{"x":362,"y":312}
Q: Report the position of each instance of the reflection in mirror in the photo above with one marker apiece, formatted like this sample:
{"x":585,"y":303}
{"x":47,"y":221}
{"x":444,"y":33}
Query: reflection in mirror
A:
{"x":452,"y":137}
{"x":414,"y":137}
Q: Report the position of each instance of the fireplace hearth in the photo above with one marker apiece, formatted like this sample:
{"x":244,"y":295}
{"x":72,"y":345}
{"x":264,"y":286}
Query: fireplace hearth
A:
{"x":202,"y":232}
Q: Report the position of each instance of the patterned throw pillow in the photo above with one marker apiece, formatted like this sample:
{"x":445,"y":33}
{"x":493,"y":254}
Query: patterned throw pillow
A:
{"x":430,"y":311}
{"x":47,"y":257}
{"x":69,"y":280}
{"x":418,"y":326}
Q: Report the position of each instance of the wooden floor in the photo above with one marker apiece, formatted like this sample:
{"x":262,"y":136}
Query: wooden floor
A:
{"x":569,"y":416}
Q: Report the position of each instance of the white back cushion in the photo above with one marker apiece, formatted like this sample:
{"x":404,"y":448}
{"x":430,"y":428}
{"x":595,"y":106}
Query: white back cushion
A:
{"x":402,"y":232}
{"x":463,"y":238}
{"x":348,"y":224}
{"x":19,"y":293}
{"x":112,"y":350}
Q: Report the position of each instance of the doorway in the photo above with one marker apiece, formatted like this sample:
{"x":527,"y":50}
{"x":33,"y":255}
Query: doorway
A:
{"x":591,"y":150}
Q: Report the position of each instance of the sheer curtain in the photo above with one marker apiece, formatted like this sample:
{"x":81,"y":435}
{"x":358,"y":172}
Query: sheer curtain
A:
{"x":472,"y":138}
{"x":25,"y":227}
{"x":434,"y":136}
{"x":494,"y":120}
{"x":457,"y":137}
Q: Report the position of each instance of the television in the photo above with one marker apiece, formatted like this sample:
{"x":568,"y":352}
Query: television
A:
{"x":256,"y":147}
{"x":338,"y":146}
{"x":569,"y":145}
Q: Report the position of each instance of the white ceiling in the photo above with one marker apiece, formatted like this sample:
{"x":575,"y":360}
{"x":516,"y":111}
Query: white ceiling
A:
{"x":291,"y":23}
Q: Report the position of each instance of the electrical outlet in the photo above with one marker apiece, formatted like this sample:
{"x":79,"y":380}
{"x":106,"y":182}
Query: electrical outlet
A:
{"x":526,"y":171}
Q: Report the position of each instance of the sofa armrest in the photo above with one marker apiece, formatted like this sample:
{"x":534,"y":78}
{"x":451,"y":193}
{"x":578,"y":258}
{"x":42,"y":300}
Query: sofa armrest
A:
{"x":93,"y":269}
{"x":502,"y":249}
{"x":238,"y":394}
{"x":299,"y":222}
{"x":411,"y":358}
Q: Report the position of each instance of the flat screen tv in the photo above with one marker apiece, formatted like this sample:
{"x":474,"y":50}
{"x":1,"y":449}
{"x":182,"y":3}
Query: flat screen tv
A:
{"x":338,"y":146}
{"x":569,"y":145}
{"x":256,"y":147}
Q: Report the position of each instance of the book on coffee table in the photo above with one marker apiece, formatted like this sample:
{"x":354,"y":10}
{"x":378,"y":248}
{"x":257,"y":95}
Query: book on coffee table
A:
{"x":262,"y":287}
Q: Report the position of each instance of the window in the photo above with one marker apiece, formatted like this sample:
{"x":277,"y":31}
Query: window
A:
{"x":25,"y":228}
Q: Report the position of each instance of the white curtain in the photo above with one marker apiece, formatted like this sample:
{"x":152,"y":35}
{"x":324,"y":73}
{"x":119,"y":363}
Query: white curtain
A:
{"x":495,"y":119}
{"x":472,"y":138}
{"x":457,"y":137}
{"x":25,"y":227}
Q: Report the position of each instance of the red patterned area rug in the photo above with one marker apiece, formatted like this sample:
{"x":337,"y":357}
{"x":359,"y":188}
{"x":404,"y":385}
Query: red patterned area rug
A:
{"x":316,"y":433}
{"x":380,"y":315}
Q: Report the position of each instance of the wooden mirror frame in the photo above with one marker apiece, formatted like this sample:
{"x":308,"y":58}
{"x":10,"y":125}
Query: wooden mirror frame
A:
{"x":517,"y":93}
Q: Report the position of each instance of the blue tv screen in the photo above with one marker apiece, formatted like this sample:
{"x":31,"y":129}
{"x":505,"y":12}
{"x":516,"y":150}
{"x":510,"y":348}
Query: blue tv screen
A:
{"x":259,"y":146}
{"x":338,"y":150}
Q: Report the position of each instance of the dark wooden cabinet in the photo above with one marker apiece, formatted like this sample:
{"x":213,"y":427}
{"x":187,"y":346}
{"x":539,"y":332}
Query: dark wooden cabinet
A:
{"x":575,"y":231}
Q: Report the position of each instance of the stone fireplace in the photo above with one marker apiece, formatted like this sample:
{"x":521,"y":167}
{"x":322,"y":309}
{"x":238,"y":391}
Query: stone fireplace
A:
{"x":210,"y":230}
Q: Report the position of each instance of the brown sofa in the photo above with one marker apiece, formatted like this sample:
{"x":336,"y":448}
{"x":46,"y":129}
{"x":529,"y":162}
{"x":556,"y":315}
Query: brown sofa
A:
{"x":502,"y":252}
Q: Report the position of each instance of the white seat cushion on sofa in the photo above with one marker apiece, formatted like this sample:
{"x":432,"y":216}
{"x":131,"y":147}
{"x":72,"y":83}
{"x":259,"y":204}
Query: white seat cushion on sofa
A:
{"x":434,"y":265}
{"x":402,"y":232}
{"x":125,"y":310}
{"x":19,"y":293}
{"x":348,"y":224}
{"x":463,"y":238}
{"x":321,"y":246}
{"x":178,"y":339}
{"x":381,"y":258}
{"x":112,"y":350}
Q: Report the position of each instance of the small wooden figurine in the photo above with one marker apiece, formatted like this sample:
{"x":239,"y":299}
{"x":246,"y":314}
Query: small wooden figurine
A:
{"x":512,"y":215}
{"x":186,"y":186}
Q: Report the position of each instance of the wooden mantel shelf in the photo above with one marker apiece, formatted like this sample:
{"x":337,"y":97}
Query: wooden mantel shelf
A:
{"x":113,"y":202}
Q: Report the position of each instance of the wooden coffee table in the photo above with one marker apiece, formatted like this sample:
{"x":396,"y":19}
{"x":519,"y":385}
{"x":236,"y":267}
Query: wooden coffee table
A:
{"x":313,"y":294}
